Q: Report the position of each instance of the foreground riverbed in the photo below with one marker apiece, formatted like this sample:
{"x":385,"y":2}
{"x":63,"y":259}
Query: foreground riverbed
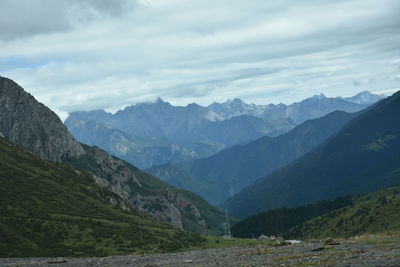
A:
{"x":365,"y":251}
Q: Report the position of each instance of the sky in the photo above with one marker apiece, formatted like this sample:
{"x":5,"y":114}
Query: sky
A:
{"x":106,"y":54}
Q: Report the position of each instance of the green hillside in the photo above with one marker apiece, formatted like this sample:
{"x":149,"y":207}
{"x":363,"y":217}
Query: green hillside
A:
{"x":50,"y":209}
{"x":376,"y":212}
{"x":279,"y":221}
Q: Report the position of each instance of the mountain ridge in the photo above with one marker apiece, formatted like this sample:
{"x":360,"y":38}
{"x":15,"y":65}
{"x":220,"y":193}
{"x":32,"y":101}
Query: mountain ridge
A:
{"x":195,"y":130}
{"x":360,"y":158}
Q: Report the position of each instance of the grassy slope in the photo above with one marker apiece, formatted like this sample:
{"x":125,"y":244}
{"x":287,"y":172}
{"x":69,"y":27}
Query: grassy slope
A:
{"x":373,"y":213}
{"x":278,"y":221}
{"x":153,"y":186}
{"x":48,"y":209}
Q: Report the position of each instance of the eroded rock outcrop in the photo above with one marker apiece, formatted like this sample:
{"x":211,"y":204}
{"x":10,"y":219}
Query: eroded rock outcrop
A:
{"x":30,"y":124}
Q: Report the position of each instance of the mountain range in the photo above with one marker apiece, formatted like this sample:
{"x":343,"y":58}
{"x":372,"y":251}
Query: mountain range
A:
{"x":363,"y":156}
{"x":310,"y":108}
{"x":148,"y":134}
{"x":220,"y":176}
{"x":31,"y":125}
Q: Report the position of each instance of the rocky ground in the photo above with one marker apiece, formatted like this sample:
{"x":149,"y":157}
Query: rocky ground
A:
{"x":370,"y":251}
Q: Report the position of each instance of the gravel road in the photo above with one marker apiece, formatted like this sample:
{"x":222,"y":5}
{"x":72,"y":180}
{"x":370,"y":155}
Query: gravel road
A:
{"x":343,"y":252}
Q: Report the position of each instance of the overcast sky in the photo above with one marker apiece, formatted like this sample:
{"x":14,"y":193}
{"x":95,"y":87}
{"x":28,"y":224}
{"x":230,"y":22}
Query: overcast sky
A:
{"x":105,"y":54}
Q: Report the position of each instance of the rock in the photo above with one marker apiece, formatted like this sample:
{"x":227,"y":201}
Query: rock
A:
{"x":293,"y":241}
{"x":57,"y":261}
{"x":331,"y":242}
{"x":30,"y":124}
{"x":318,"y":249}
{"x":299,"y":255}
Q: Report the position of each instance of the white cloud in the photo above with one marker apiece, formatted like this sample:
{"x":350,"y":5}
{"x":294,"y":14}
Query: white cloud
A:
{"x":75,"y":55}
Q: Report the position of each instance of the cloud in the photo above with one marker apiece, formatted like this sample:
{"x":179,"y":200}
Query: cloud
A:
{"x":79,"y":55}
{"x":26,"y":18}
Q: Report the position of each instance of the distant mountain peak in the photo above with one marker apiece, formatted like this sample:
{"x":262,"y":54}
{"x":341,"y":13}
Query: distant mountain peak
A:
{"x":319,"y":97}
{"x":237,"y":101}
{"x":366,"y":92}
{"x":365,"y":98}
{"x":193,"y":105}
{"x":159,"y":100}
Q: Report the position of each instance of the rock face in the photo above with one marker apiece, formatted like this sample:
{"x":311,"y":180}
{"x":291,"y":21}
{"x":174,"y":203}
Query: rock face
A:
{"x":42,"y":132}
{"x":30,"y":124}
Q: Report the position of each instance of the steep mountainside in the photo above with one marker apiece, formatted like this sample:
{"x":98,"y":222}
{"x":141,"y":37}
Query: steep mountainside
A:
{"x":39,"y":129}
{"x":42,"y":132}
{"x":51,"y":209}
{"x":363,"y":156}
{"x":232,"y":169}
{"x":178,"y":208}
{"x":377,"y":212}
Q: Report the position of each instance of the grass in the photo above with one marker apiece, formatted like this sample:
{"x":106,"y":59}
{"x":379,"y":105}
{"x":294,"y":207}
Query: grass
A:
{"x":151,"y":186}
{"x":49,"y":209}
{"x":377,"y":212}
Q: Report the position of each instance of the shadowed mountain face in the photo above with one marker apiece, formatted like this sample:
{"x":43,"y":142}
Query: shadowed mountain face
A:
{"x":363,"y":156}
{"x":220,"y":176}
{"x":30,"y":124}
{"x":150,"y":134}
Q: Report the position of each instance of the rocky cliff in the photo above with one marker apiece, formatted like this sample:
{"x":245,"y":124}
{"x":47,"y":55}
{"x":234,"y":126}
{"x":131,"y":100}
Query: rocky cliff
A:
{"x":32,"y":125}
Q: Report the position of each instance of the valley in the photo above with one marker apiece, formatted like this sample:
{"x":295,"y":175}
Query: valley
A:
{"x":199,"y":133}
{"x":61,"y":197}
